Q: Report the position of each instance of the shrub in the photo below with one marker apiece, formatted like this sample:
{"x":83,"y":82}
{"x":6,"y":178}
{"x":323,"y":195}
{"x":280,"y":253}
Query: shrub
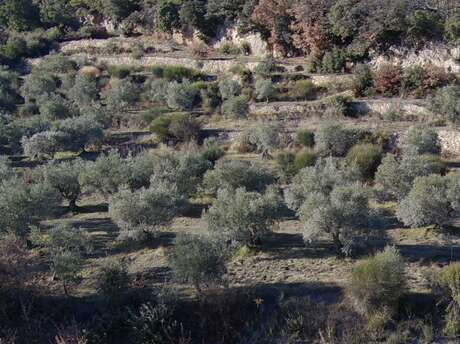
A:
{"x":113,"y":280}
{"x":446,"y":102}
{"x":266,"y":68}
{"x":339,"y":106}
{"x":119,"y":72}
{"x":423,"y":140}
{"x":364,"y":159}
{"x":305,"y":138}
{"x":9,"y":85}
{"x":335,"y":140}
{"x":236,"y":107}
{"x":106,"y":174}
{"x":156,"y":90}
{"x":229,"y":88}
{"x":290,"y":163}
{"x":342,"y":214}
{"x":212,"y":151}
{"x":242,"y":216}
{"x":54,"y":107}
{"x":395,"y":176}
{"x":388,"y":79}
{"x":57,"y":64}
{"x":452,"y":27}
{"x":181,"y":96}
{"x":333,"y":61}
{"x":179,"y":73}
{"x":264,"y":89}
{"x":184,"y":127}
{"x":64,"y":177}
{"x":197,"y":260}
{"x":229,"y":49}
{"x":233,"y":174}
{"x":22,"y":205}
{"x":363,"y":81}
{"x":378,"y":282}
{"x":141,"y":214}
{"x":180,"y":127}
{"x":265,"y":136}
{"x":15,"y":49}
{"x":449,"y":281}
{"x":431,"y":201}
{"x":303,"y":90}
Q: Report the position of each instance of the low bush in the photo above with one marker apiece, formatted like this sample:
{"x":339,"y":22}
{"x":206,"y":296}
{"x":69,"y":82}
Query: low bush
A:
{"x":449,"y":281}
{"x":265,"y":136}
{"x":291,"y":163}
{"x":179,"y":127}
{"x":378,"y":282}
{"x":229,"y":49}
{"x":113,"y":280}
{"x":363,"y":81}
{"x":229,"y":88}
{"x":303,"y":90}
{"x":264,"y":89}
{"x":120,"y":72}
{"x":364,"y":159}
{"x":236,"y":107}
{"x":388,"y":79}
{"x":305,"y":138}
{"x":339,"y":106}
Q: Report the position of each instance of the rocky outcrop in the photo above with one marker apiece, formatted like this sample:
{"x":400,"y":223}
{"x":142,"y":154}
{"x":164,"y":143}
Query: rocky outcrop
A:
{"x":439,"y":55}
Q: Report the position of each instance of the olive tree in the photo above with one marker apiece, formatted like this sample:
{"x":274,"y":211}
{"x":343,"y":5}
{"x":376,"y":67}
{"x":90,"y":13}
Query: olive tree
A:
{"x":334,"y":139}
{"x":22,"y":204}
{"x":197,"y":260}
{"x":122,"y":96}
{"x":84,"y":90}
{"x":156,"y":90}
{"x":106,"y":174}
{"x":265,"y":136}
{"x":181,"y":96}
{"x":241,"y":216}
{"x":236,"y":107}
{"x":395,"y":176}
{"x":65,"y":247}
{"x":423,"y":140}
{"x":341,"y":214}
{"x":141,"y":214}
{"x":64,"y":177}
{"x":43,"y":144}
{"x":80,"y":132}
{"x":446,"y":101}
{"x":232,"y":174}
{"x":229,"y":88}
{"x":37,"y":84}
{"x":321,"y":178}
{"x":264,"y":89}
{"x":432,"y":200}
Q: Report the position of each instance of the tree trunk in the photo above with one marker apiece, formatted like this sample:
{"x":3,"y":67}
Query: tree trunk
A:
{"x":73,"y":205}
{"x":337,"y":243}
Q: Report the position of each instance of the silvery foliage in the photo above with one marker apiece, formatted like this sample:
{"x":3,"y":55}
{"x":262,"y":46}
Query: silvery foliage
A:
{"x":106,"y":174}
{"x":342,"y":214}
{"x":23,"y":204}
{"x":395,"y":175}
{"x":156,"y":90}
{"x":422,"y":139}
{"x":181,"y":96}
{"x":241,"y":216}
{"x":265,"y":135}
{"x":321,"y":178}
{"x":141,"y":214}
{"x":229,"y":88}
{"x":232,"y":174}
{"x":43,"y":144}
{"x":264,"y":89}
{"x":122,"y":96}
{"x":433,"y":200}
{"x":335,"y":140}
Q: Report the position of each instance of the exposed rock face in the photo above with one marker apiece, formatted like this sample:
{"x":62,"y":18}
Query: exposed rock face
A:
{"x":440,"y":55}
{"x":450,"y":141}
{"x":259,"y":47}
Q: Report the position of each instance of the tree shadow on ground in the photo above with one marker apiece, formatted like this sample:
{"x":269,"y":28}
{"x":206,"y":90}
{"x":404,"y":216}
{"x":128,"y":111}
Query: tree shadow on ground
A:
{"x":430,"y":253}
